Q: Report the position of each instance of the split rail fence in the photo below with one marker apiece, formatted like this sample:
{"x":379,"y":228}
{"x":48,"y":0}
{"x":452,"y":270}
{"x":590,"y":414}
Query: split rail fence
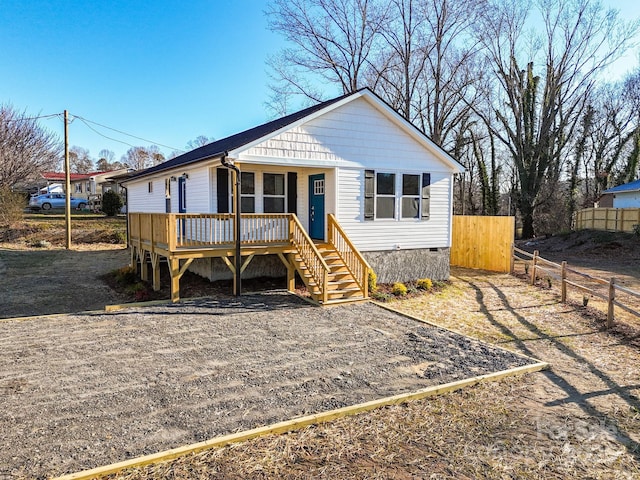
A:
{"x":534,"y":264}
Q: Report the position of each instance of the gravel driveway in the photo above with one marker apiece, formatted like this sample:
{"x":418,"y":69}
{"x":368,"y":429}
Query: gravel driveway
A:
{"x":82,"y":390}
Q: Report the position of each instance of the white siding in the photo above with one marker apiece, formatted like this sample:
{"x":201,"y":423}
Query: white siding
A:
{"x":198,"y":189}
{"x":354,"y":135}
{"x":140,"y":200}
{"x":342,"y":143}
{"x":394,"y":234}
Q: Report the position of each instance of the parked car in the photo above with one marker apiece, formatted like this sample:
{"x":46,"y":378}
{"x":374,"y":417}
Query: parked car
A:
{"x":48,"y":201}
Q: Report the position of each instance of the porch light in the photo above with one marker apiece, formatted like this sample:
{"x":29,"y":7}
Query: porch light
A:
{"x":185,"y":176}
{"x":173,"y":178}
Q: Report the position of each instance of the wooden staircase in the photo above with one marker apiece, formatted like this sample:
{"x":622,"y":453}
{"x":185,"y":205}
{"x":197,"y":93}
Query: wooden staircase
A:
{"x":341,"y":285}
{"x":334,"y":272}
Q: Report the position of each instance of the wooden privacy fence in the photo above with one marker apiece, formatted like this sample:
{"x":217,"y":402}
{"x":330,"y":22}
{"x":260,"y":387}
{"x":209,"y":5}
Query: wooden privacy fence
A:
{"x":482,"y":242}
{"x":534,"y":264}
{"x":609,"y":219}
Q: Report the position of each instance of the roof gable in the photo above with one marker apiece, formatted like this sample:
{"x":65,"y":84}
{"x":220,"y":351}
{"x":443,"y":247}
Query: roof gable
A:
{"x":241,"y":142}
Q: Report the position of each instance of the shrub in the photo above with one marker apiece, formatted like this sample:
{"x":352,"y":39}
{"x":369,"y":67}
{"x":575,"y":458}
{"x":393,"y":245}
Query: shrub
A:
{"x":12,"y":206}
{"x":636,"y":229}
{"x":111,"y":203}
{"x":136,"y":288}
{"x":126,"y":275}
{"x":425,"y":284}
{"x":373,"y":281}
{"x":117,"y":237}
{"x":399,"y":289}
{"x":381,"y":296}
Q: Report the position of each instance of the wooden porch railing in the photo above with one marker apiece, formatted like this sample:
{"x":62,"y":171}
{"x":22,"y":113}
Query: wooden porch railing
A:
{"x":318,"y":268}
{"x":352,"y":258}
{"x":186,"y":230}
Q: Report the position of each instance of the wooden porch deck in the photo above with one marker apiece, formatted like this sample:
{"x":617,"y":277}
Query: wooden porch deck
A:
{"x":333,"y":272}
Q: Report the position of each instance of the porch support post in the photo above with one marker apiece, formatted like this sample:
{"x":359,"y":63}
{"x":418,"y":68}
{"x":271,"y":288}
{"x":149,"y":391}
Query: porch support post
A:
{"x":155,"y":267}
{"x":291,"y":271}
{"x":144,"y":269}
{"x":133,"y":262}
{"x":174,"y":269}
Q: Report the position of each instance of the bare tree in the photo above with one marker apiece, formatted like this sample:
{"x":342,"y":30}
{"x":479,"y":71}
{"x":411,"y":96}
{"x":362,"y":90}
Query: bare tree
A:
{"x":26,"y":148}
{"x":106,"y":161}
{"x":80,"y":160}
{"x":451,"y":74}
{"x":140,"y":158}
{"x":540,"y":109}
{"x":199,"y":141}
{"x":396,"y":71}
{"x":332,"y":42}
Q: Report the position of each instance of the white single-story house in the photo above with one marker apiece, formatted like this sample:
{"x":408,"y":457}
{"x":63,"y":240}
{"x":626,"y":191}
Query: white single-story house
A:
{"x":350,"y":167}
{"x":625,"y":196}
{"x":83,"y":185}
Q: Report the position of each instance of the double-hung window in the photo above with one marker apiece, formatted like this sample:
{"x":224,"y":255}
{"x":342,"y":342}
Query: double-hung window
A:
{"x":410,"y":196}
{"x":274,"y":192}
{"x":385,"y":195}
{"x":396,"y":196}
{"x":247,"y":192}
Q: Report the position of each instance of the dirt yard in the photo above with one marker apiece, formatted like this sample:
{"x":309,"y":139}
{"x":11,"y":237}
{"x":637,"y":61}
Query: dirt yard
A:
{"x":580,"y":419}
{"x":80,"y":391}
{"x":46,"y":281}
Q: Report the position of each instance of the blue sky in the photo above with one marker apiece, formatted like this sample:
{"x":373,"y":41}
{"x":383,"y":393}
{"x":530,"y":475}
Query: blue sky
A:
{"x":166,"y":71}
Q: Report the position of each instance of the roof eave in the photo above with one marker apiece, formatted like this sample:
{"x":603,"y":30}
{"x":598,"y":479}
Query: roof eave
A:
{"x":144,"y":174}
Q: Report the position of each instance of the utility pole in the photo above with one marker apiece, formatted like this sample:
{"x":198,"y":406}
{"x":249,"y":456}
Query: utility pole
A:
{"x":67,"y":194}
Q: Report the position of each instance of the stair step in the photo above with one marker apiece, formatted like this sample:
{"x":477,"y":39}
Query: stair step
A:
{"x":344,"y":293}
{"x":340,"y":272}
{"x":338,"y":301}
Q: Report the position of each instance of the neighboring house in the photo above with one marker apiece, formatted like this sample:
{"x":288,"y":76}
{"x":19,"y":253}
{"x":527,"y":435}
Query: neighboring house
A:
{"x":352,"y":162}
{"x":83,"y":185}
{"x":624,"y":196}
{"x":52,"y":188}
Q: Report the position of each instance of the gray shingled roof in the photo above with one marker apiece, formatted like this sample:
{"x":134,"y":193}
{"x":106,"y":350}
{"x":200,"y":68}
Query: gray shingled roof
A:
{"x":219,"y":147}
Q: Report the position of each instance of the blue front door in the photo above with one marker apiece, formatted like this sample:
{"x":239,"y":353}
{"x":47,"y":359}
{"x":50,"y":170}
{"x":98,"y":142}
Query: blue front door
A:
{"x":316,"y":206}
{"x":182,"y":195}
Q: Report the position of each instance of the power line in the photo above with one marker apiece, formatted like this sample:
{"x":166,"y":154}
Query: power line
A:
{"x":85,"y":120}
{"x":33,"y":118}
{"x":102,"y":134}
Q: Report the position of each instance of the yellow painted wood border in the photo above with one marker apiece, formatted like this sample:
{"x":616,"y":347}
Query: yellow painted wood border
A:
{"x":298,"y":423}
{"x":151,"y":303}
{"x":49,"y":315}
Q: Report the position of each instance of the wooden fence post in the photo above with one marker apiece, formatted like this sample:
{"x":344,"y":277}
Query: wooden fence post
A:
{"x":563,"y":280}
{"x":533,"y":266}
{"x":612,"y":297}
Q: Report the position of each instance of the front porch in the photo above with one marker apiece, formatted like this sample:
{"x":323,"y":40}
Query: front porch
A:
{"x":333,"y":271}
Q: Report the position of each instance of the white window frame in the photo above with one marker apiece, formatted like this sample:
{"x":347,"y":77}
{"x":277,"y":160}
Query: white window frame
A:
{"x":415,"y":196}
{"x":283,"y":195}
{"x":386,"y":195}
{"x":246,"y":195}
{"x":371,"y":213}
